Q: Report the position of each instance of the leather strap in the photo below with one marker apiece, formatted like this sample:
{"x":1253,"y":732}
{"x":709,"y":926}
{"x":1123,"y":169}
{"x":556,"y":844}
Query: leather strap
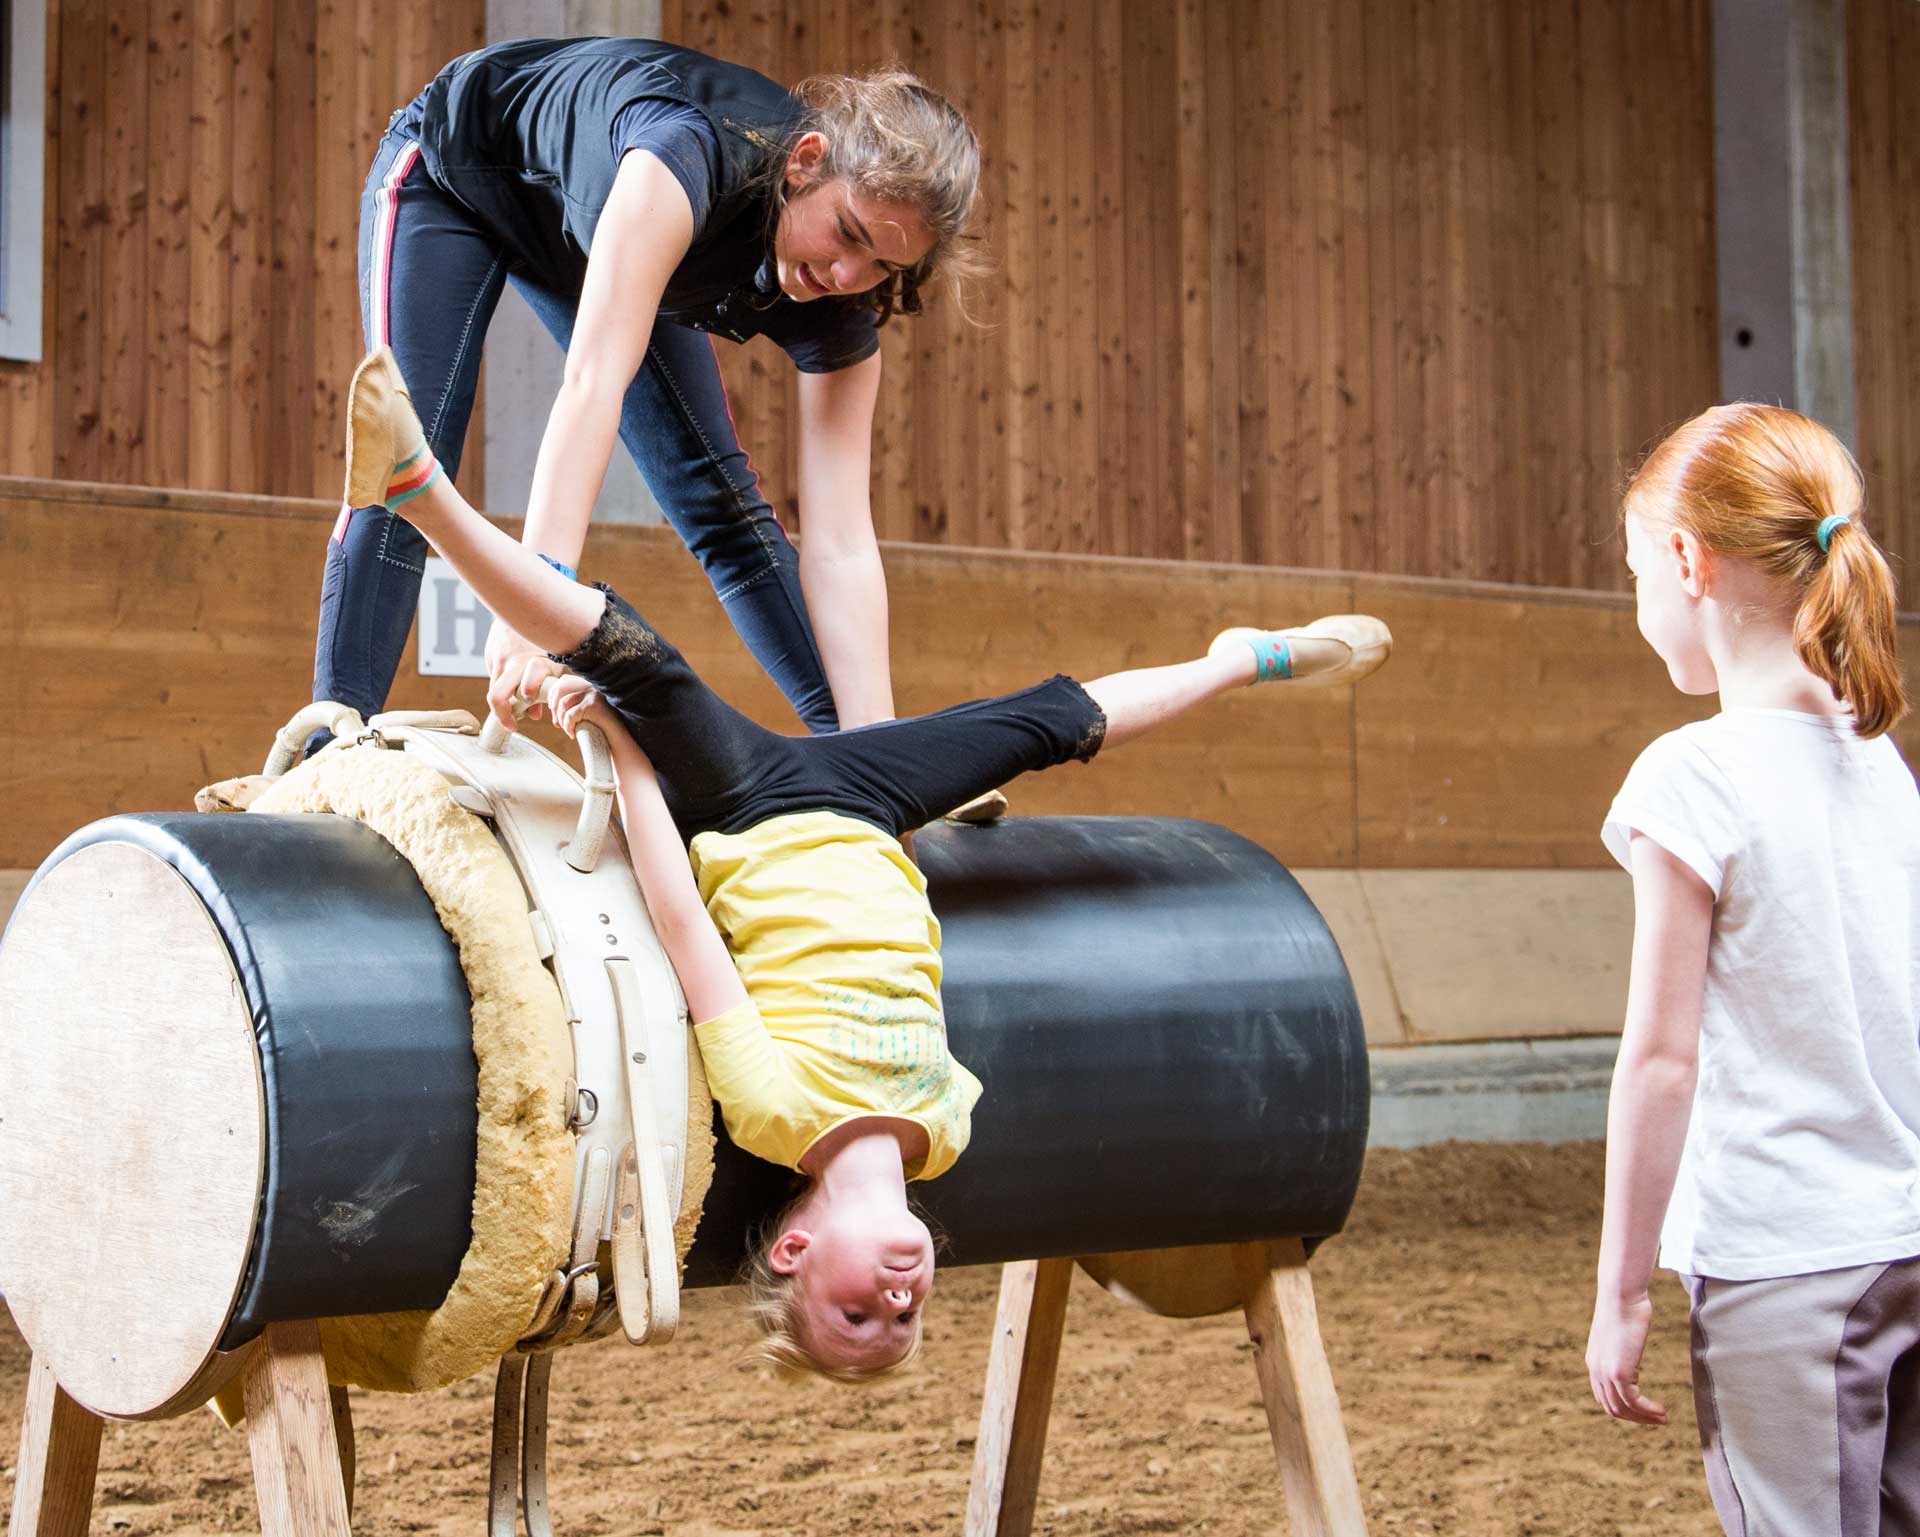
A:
{"x":502,"y":1482}
{"x":584,"y":1294}
{"x":533,"y":1448}
{"x":519,"y":1466}
{"x":646,"y":1270}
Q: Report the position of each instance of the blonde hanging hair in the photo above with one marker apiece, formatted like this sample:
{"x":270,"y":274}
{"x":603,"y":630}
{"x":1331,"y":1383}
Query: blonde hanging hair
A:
{"x":890,"y":137}
{"x":1774,"y":487}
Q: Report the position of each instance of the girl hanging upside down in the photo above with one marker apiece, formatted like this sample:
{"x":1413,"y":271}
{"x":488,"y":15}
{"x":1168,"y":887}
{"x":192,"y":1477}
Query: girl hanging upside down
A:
{"x":777,"y":884}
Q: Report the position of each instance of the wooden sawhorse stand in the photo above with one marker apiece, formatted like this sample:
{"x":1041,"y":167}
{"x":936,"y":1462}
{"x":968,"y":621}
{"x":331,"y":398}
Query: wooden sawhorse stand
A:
{"x":1269,"y":1281}
{"x":301,"y":1436}
{"x":297,"y":1429}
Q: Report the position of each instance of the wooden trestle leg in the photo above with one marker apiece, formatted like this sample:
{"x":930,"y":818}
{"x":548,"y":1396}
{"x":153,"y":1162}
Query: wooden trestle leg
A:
{"x":343,"y":1437}
{"x":1296,"y":1384}
{"x":297,"y":1469}
{"x":1303,"y":1411}
{"x":1019,"y":1397}
{"x":59,"y":1456}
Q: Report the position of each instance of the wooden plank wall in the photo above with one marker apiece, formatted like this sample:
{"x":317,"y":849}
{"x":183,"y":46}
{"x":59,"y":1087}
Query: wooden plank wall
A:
{"x":204,"y":166}
{"x":164,"y":658}
{"x":1392,"y":285}
{"x":1883,"y":128}
{"x":168,"y":658}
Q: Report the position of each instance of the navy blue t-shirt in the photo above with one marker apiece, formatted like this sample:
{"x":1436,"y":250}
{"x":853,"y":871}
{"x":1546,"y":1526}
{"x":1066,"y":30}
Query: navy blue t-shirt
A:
{"x":682,"y":140}
{"x":680,"y":137}
{"x":507,"y":131}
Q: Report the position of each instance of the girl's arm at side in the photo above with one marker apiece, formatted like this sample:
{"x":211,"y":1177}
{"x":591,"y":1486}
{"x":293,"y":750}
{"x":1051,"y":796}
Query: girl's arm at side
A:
{"x":1647,"y":1115}
{"x":699,"y":955}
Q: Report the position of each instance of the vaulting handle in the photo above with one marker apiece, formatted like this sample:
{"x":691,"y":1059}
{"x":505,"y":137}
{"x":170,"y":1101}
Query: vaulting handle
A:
{"x":290,"y":741}
{"x":646,"y":1270}
{"x":596,"y":764}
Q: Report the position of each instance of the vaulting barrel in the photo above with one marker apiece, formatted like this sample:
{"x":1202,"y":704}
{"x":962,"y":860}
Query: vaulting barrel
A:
{"x":237,"y":1086}
{"x":238,"y":1072}
{"x":1166,"y":1037}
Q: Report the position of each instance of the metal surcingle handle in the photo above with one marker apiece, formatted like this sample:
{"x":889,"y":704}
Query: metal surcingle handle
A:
{"x":290,"y":741}
{"x":596,"y":767}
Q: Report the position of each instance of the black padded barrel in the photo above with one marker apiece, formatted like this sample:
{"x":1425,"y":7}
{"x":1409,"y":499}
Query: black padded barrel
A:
{"x":1167,"y":1037}
{"x":1168,"y":1041}
{"x":361,"y":1013}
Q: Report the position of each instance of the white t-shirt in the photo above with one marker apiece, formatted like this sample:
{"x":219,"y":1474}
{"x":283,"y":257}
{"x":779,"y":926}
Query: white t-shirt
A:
{"x":1803,"y":1151}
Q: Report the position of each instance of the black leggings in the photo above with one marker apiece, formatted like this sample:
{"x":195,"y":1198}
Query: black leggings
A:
{"x":721,"y":772}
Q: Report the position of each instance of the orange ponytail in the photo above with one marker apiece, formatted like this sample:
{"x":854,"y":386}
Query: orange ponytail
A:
{"x":1845,"y":630}
{"x":1758,"y":482}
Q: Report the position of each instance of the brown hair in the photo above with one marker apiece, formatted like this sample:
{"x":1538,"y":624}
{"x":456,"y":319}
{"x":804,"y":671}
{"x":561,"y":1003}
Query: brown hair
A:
{"x":773,"y":1303}
{"x":1758,"y":482}
{"x":888,"y":136}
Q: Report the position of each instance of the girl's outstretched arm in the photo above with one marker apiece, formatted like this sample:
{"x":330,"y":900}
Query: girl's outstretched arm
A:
{"x":840,"y":570}
{"x":1647,"y":1115}
{"x":642,"y":235}
{"x":694,"y":947}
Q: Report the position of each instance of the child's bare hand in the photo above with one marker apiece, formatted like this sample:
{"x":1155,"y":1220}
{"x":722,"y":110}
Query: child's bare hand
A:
{"x":576,"y":701}
{"x":1614,"y":1348}
{"x":515,"y":670}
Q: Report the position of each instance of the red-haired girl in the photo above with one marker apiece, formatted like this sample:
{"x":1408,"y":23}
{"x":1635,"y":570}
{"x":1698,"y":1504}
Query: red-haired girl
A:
{"x":1765,"y":1117}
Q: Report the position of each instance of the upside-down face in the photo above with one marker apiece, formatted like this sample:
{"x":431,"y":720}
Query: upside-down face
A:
{"x":861,"y":1284}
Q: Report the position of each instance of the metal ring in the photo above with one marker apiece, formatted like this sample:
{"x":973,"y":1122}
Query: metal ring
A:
{"x":586,"y":1109}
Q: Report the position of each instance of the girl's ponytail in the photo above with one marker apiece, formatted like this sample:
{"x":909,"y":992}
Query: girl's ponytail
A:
{"x":1845,"y":630}
{"x":1774,"y":487}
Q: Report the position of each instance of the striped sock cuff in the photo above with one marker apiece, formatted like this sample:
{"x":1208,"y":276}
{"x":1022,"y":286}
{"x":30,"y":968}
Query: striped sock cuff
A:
{"x":411,"y":476}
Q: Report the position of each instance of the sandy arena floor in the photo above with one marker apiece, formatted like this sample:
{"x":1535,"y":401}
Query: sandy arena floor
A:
{"x":1455,"y":1311}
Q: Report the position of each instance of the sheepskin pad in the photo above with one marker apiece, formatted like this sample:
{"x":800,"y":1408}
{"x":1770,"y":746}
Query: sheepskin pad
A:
{"x":523,"y":1177}
{"x":523,"y":1181}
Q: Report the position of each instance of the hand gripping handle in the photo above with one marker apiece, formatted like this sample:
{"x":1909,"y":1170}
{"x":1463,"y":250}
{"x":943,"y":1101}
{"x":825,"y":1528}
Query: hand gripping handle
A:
{"x":596,"y":764}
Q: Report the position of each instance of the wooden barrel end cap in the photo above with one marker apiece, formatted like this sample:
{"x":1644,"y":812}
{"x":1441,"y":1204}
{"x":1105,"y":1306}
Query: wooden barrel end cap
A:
{"x":132,"y":1130}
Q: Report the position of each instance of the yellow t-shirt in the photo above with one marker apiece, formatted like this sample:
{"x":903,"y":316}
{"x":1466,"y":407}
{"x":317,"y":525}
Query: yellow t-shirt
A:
{"x":829,"y":925}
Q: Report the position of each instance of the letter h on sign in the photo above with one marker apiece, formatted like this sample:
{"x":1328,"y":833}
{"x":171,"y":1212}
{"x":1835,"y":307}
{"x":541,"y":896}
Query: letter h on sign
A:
{"x":453,"y":625}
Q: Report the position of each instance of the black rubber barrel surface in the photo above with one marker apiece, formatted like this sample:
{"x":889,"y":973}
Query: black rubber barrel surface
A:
{"x":366,"y":1052}
{"x":1167,"y":1037}
{"x":1168,"y":1041}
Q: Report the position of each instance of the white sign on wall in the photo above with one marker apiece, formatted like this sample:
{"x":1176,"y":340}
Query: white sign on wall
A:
{"x":453,"y":625}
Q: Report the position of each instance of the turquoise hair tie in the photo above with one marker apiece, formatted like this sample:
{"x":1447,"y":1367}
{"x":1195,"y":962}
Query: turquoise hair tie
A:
{"x":1824,"y":533}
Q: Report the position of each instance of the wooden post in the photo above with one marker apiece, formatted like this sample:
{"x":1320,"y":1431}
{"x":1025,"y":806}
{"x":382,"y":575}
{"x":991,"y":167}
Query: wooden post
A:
{"x":343,"y":1437}
{"x":1019,"y":1397}
{"x":1303,"y":1411}
{"x":297,"y":1471}
{"x":59,"y":1455}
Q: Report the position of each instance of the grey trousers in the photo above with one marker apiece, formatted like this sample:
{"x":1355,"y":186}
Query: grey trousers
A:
{"x":1808,"y":1394}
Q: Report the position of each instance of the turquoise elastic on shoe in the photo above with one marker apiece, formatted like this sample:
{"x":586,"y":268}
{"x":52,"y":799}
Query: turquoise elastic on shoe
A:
{"x":1272,"y":658}
{"x":1272,"y":654}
